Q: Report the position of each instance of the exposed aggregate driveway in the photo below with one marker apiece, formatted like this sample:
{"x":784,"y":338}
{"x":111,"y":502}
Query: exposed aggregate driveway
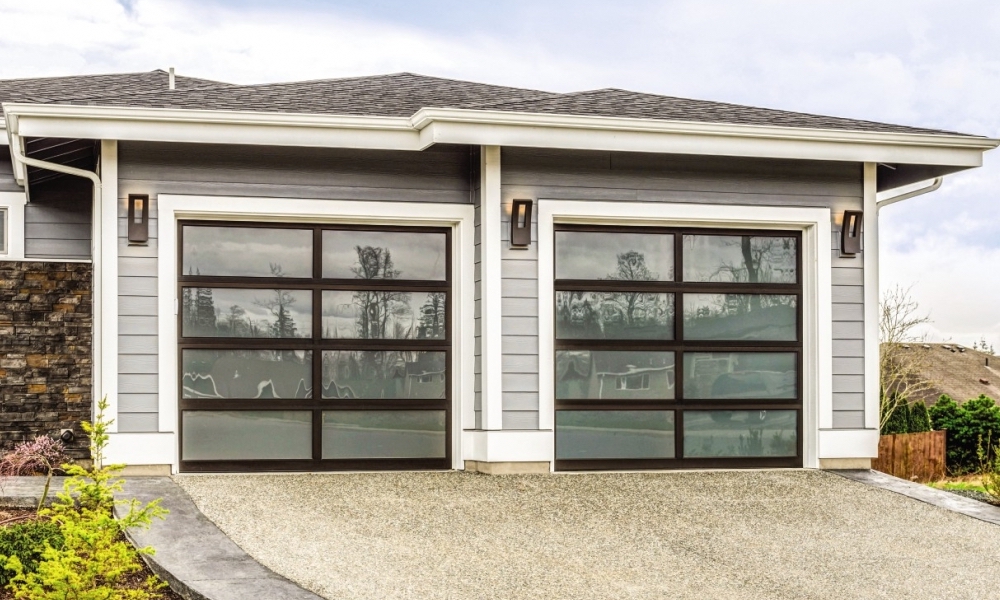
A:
{"x":707,"y":535}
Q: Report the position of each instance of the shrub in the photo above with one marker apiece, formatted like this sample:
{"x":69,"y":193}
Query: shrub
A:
{"x":26,"y":541}
{"x":920,"y":418}
{"x":899,"y":420}
{"x":989,"y":469}
{"x":977,"y":419}
{"x":94,"y":560}
{"x":41,"y":456}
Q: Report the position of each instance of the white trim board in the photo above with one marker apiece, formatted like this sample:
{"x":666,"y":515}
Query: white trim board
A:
{"x":13,"y":203}
{"x":460,"y":217}
{"x":817,"y":326}
{"x":430,"y":126}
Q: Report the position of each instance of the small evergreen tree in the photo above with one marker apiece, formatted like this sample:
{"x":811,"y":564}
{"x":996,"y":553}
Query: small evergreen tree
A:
{"x":920,"y":419}
{"x":967,"y":424}
{"x":899,"y":420}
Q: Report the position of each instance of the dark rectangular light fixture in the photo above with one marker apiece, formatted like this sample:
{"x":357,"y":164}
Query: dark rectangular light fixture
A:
{"x":520,"y":224}
{"x":138,"y":219}
{"x":850,"y":233}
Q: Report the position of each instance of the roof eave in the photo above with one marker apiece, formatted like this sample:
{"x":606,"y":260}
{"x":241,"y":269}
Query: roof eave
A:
{"x":430,"y":126}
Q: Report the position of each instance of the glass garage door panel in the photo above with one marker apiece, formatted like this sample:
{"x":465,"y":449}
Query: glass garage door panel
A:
{"x":614,"y":315}
{"x":246,"y":313}
{"x":746,"y":259}
{"x":384,"y":434}
{"x":740,"y":433}
{"x":757,"y":317}
{"x":606,"y":434}
{"x":614,"y":256}
{"x":614,"y":375}
{"x":247,"y":435}
{"x":380,"y":314}
{"x":246,"y":252}
{"x":357,"y":254}
{"x":247,"y":374}
{"x":737,"y":375}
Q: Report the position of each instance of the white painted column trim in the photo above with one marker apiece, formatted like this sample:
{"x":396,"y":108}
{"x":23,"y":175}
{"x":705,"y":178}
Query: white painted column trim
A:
{"x":460,"y":217}
{"x":491,"y":281}
{"x":13,"y":203}
{"x":815,"y":223}
{"x":870,"y":258}
{"x":106,"y":271}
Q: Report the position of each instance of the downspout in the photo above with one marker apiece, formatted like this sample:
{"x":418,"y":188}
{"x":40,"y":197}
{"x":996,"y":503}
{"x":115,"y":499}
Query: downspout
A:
{"x":95,"y":249}
{"x":907,"y":195}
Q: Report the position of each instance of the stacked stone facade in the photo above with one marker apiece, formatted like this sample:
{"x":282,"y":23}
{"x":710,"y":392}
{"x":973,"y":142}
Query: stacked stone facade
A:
{"x":46,"y":360}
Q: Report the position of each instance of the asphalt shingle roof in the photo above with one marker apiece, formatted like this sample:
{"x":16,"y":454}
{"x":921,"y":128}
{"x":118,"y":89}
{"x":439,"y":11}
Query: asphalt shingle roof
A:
{"x":62,"y":89}
{"x":403,"y":94}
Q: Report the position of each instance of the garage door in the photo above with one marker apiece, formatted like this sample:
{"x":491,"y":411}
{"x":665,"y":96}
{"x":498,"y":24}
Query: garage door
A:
{"x":313,"y":347}
{"x":677,"y":348}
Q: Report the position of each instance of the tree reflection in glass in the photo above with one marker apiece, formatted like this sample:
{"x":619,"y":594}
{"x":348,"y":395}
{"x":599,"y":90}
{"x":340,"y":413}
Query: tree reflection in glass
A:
{"x":740,"y":317}
{"x":740,"y":259}
{"x":388,"y":374}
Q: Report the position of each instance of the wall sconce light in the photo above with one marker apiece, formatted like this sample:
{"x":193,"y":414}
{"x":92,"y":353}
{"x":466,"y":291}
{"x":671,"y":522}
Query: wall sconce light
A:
{"x":138,"y":219}
{"x":850,"y":233}
{"x":520,"y":224}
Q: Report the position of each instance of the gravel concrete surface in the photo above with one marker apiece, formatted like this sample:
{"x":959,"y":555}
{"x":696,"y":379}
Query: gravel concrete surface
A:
{"x":706,"y":535}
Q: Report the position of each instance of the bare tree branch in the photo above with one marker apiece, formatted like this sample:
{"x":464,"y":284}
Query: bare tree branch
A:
{"x":902,"y":366}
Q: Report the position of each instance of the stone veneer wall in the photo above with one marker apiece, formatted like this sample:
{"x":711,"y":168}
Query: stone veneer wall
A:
{"x":46,"y":339}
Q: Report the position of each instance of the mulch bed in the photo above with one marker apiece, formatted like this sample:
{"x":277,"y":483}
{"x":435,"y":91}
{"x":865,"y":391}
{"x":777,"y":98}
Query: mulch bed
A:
{"x":12,"y":516}
{"x":976,"y":495}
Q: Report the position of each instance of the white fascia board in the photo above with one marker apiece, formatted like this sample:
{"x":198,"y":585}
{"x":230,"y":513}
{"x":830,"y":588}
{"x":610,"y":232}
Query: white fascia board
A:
{"x":801,"y":145}
{"x":492,"y":128}
{"x":213,"y":126}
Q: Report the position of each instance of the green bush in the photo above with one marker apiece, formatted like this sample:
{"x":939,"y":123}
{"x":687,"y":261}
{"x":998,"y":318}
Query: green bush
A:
{"x":966,"y":424}
{"x":94,"y":561}
{"x":26,"y":541}
{"x":920,"y":418}
{"x":899,"y":420}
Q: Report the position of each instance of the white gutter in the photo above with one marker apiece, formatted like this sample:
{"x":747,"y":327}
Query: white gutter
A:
{"x":935,"y":184}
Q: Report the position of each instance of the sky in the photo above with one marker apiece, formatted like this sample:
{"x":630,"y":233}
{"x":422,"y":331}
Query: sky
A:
{"x":928,"y":63}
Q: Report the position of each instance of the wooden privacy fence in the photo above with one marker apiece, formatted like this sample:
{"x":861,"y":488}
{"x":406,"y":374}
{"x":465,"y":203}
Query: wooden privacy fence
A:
{"x":913,"y":456}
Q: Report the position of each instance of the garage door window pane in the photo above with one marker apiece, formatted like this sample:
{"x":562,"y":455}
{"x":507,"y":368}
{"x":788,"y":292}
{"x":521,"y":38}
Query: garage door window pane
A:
{"x":247,"y":374}
{"x":388,"y":374}
{"x":613,"y":375}
{"x":384,"y":434}
{"x":740,"y":375}
{"x":614,"y":256}
{"x":740,"y":317}
{"x":247,"y":435}
{"x":247,"y":252}
{"x":591,"y":434}
{"x":377,"y":314}
{"x":246,"y":313}
{"x":384,"y":255}
{"x":734,"y":433}
{"x":740,"y":259}
{"x":614,"y":315}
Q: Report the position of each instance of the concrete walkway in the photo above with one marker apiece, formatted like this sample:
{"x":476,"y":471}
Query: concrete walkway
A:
{"x":720,"y":535}
{"x":918,"y":491}
{"x":192,"y":555}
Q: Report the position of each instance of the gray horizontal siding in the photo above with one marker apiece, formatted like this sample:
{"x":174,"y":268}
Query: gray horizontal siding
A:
{"x":58,"y":229}
{"x":612,"y":176}
{"x":439,"y":175}
{"x":7,"y":182}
